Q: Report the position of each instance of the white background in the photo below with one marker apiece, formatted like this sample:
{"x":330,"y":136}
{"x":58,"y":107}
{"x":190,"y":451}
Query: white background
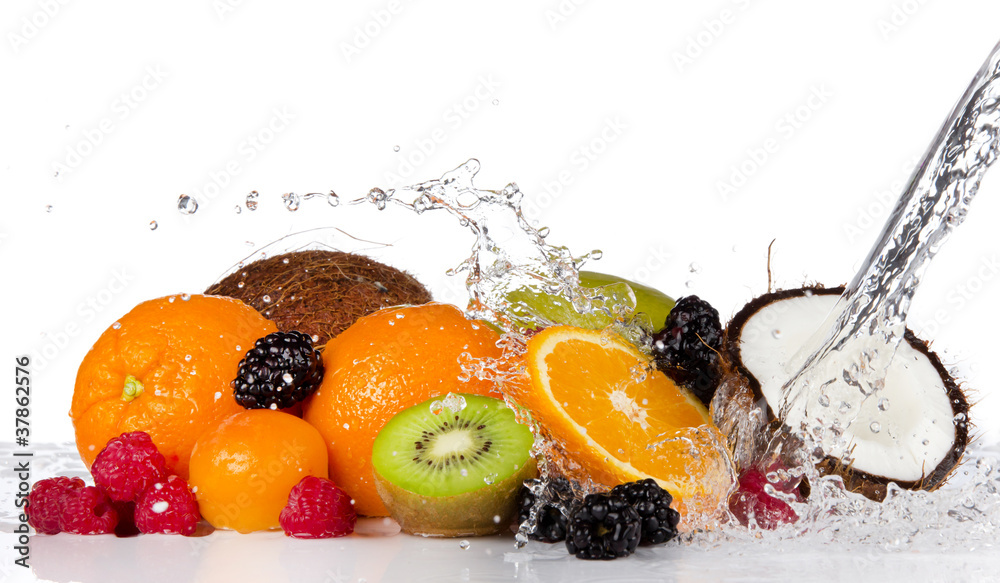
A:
{"x":618,"y":120}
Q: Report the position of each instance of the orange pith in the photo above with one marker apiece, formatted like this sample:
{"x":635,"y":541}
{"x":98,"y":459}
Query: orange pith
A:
{"x":613,"y":418}
{"x":385,"y":362}
{"x":244,"y":469}
{"x":184,"y":351}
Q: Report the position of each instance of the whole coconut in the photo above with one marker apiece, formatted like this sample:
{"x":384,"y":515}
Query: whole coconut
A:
{"x":320,"y":292}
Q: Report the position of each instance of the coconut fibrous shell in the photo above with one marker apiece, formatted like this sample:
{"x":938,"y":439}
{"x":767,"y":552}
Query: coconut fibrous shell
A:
{"x":320,"y":292}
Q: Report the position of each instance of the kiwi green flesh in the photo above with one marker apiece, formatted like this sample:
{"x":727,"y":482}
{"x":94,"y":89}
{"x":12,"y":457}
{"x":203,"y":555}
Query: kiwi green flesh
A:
{"x":451,"y":452}
{"x":453,"y":473}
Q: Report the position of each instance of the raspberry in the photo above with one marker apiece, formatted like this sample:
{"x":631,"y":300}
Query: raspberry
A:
{"x":128,"y":465}
{"x":687,"y":347}
{"x":604,"y":527}
{"x":167,"y":507}
{"x":659,"y":520}
{"x":88,"y":510}
{"x":752,"y":502}
{"x":317,"y":508}
{"x":280,"y":370}
{"x":45,"y":502}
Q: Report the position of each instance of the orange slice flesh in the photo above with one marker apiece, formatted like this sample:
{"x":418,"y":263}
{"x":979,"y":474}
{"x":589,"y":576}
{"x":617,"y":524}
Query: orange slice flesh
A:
{"x":613,"y":418}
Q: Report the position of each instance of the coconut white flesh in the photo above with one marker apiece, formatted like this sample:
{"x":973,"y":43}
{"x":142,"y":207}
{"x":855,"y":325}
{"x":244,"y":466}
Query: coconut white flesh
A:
{"x":904,"y":442}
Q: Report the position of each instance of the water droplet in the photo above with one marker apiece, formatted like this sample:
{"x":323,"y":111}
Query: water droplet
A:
{"x":489,"y":479}
{"x":454,"y":402}
{"x":252,"y":200}
{"x":266,"y":299}
{"x":464,"y":545}
{"x":287,"y":378}
{"x":844,"y":407}
{"x":883,"y":404}
{"x":436,"y":407}
{"x":638,"y":373}
{"x":689,"y":284}
{"x":824,"y":400}
{"x":48,"y":208}
{"x":776,"y":333}
{"x":332,"y":199}
{"x":186,"y":205}
{"x":596,"y":254}
{"x":496,"y":102}
{"x":875,"y":427}
{"x":926,"y":442}
{"x":291,"y":200}
{"x":694,"y":268}
{"x":153,"y":225}
{"x":187,"y":358}
{"x":395,"y":148}
{"x":240,"y":285}
{"x":543,"y":232}
{"x":116,"y":325}
{"x":377,"y":197}
{"x":238,"y":209}
{"x":185,"y":297}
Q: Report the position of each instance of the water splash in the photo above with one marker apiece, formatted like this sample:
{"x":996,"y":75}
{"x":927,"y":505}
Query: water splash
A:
{"x":851,"y":353}
{"x":509,"y":257}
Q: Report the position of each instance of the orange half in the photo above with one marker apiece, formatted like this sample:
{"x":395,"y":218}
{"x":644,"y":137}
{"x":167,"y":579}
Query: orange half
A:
{"x":612,"y":417}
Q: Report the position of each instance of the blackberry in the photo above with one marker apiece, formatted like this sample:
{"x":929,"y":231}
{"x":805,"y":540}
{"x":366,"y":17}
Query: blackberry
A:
{"x":687,"y":348}
{"x":603,"y":527}
{"x":652,"y":503}
{"x":280,"y":370}
{"x":550,"y":522}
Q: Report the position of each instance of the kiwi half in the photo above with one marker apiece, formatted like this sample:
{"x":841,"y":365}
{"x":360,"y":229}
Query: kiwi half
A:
{"x":452,"y":466}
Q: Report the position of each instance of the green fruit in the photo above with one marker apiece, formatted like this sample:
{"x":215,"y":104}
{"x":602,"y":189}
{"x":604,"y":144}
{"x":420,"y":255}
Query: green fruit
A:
{"x":453,"y":466}
{"x":531,"y":307}
{"x":648,"y":300}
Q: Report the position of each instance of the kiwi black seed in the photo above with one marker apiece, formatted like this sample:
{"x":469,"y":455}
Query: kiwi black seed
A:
{"x":453,"y":465}
{"x":319,"y":292}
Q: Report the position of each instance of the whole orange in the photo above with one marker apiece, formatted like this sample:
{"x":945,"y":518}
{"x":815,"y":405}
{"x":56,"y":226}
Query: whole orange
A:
{"x":164,"y":368}
{"x":385,"y":362}
{"x":243,"y":471}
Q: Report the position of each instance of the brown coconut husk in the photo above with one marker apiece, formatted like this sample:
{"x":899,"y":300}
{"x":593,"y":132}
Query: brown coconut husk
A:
{"x":320,"y":292}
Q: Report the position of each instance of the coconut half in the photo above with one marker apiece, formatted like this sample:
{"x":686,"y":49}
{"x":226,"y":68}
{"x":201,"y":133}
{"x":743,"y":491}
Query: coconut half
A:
{"x":912,"y":431}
